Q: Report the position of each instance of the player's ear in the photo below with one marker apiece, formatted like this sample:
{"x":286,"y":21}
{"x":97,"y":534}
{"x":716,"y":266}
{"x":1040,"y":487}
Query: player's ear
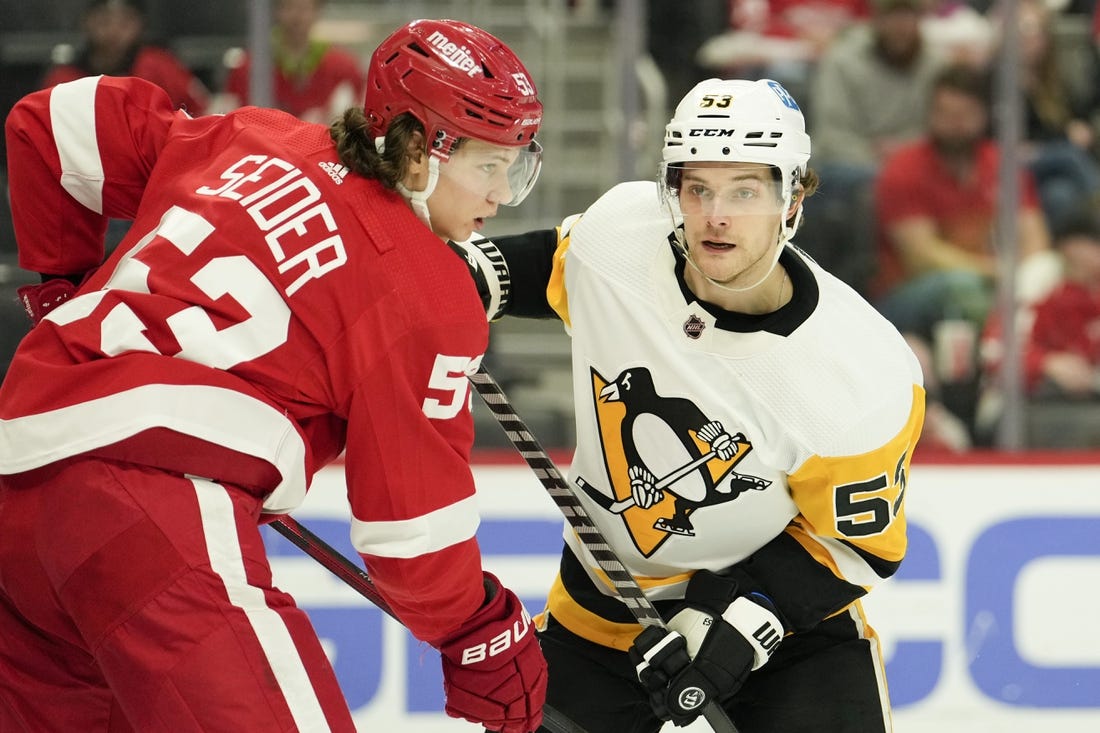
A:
{"x":798,"y":195}
{"x":416,"y":158}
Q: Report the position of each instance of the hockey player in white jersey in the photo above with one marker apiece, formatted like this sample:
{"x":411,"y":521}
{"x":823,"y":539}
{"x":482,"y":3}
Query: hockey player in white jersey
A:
{"x":745,"y":423}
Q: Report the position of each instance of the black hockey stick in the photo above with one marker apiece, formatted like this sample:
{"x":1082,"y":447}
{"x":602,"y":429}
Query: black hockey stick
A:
{"x":570,"y":505}
{"x":333,"y":561}
{"x":356,"y":577}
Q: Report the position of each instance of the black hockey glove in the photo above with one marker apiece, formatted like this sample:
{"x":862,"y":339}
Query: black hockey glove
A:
{"x":489,"y":271}
{"x":712,"y":643}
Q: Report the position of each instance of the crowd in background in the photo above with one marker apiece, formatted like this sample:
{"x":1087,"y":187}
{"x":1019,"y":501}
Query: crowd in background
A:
{"x":899,"y":98}
{"x":898,"y":95}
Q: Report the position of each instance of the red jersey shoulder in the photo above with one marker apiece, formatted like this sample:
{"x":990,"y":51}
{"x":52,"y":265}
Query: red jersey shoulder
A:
{"x":317,"y":216}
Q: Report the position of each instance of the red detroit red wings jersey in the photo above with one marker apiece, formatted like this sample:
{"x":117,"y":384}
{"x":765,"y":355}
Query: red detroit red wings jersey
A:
{"x":266,"y":310}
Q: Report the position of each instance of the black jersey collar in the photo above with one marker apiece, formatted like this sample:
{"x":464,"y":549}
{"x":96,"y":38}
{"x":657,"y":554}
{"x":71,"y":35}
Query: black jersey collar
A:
{"x":782,"y":322}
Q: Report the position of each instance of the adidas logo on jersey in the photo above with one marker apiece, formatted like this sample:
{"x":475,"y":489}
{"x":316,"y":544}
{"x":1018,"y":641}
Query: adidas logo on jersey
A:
{"x":335,"y":171}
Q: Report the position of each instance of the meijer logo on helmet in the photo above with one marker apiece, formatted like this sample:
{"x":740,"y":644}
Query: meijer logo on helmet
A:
{"x":455,"y":55}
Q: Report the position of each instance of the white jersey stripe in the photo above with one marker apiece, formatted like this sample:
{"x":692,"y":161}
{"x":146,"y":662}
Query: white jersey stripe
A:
{"x":223,"y":546}
{"x":72,"y":115}
{"x":244,"y":425}
{"x":418,"y":536}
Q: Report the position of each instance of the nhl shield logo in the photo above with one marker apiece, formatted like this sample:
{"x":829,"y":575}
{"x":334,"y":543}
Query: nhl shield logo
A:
{"x":693,"y":327}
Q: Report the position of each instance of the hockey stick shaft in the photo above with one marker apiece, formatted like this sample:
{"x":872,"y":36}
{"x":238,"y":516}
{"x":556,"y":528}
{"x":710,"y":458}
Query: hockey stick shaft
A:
{"x":618,"y":507}
{"x":331,"y":560}
{"x":575,"y":513}
{"x":356,"y":577}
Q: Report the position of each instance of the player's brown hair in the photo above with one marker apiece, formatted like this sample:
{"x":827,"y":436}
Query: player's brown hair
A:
{"x":808,"y":183}
{"x":357,"y":150}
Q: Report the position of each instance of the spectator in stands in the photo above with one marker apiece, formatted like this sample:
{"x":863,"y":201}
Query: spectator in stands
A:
{"x":673,"y":38}
{"x":314,"y":80}
{"x":780,"y":39}
{"x":961,"y":32}
{"x":1059,"y":106}
{"x":871,"y":95}
{"x":114,"y":45}
{"x":935,"y":202}
{"x":1058,"y":327}
{"x":935,"y":206}
{"x":1062,"y":351}
{"x":871,"y":87}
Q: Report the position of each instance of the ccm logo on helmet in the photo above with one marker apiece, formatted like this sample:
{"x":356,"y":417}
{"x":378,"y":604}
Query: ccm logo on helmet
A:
{"x":455,"y":55}
{"x":500,"y":643}
{"x":709,"y":132}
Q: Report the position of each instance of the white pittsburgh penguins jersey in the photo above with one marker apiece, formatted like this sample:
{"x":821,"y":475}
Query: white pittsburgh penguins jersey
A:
{"x":789,"y":433}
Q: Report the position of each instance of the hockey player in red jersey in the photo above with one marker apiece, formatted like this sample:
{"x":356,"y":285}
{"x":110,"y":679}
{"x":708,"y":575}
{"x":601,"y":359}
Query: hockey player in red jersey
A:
{"x":285,"y":294}
{"x":745,"y":423}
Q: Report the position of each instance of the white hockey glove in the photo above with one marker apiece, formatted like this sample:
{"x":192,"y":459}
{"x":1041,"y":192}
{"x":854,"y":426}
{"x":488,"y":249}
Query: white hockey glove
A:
{"x":711,"y":645}
{"x":489,"y":271}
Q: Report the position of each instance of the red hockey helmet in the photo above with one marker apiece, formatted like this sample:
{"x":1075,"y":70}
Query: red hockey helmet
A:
{"x":458,"y":80}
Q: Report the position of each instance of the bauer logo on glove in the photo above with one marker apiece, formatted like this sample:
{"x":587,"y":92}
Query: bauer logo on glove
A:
{"x":499,"y":644}
{"x":493,"y":669}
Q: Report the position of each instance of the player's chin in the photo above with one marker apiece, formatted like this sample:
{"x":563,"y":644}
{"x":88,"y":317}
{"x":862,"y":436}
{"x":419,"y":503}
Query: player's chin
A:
{"x":456,"y":233}
{"x":465,"y":230}
{"x":718,"y":270}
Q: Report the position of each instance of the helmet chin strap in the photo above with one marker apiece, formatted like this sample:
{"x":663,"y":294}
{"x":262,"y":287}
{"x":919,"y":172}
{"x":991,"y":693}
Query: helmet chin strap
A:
{"x":418,"y":200}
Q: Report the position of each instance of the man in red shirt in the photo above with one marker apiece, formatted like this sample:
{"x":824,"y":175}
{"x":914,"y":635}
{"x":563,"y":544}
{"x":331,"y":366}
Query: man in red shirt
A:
{"x":314,"y":80}
{"x":113,"y":32}
{"x":1062,"y":351}
{"x":935,"y":202}
{"x":935,"y":207}
{"x":285,"y":294}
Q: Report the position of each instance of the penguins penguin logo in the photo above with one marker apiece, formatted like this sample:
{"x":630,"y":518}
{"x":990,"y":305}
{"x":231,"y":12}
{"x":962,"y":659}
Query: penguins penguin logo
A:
{"x":664,"y":458}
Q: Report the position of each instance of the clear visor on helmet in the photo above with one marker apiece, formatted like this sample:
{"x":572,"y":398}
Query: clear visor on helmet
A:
{"x":503,"y":175}
{"x":701,"y":190}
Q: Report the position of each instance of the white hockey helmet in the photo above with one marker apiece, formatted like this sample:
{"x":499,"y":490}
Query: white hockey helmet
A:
{"x":738,"y":121}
